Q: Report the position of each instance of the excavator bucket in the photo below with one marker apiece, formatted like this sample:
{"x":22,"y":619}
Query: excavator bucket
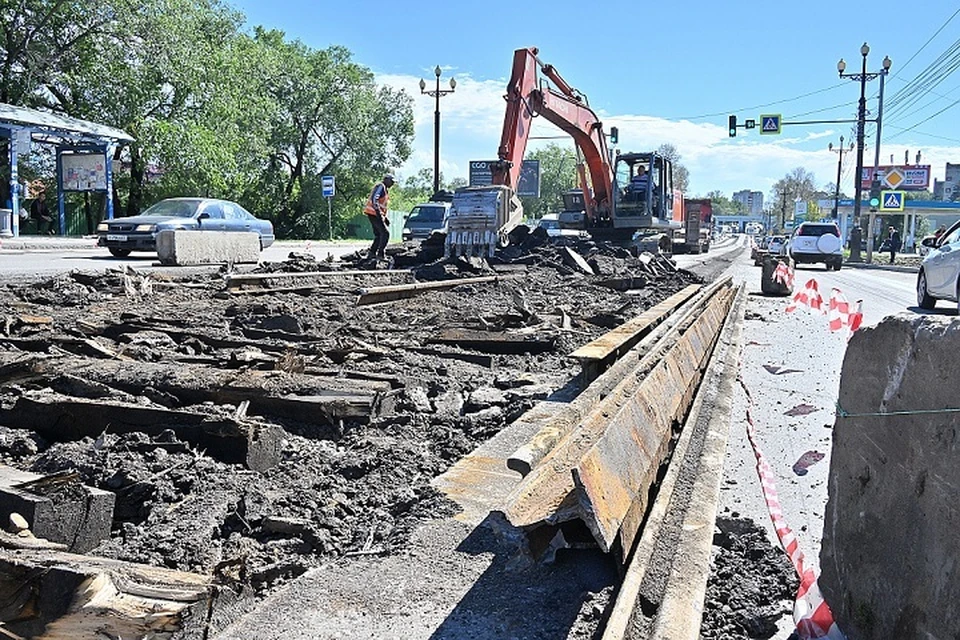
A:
{"x":479,"y":220}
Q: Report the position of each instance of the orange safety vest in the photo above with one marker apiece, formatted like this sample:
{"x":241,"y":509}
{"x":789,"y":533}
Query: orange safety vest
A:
{"x":384,"y":201}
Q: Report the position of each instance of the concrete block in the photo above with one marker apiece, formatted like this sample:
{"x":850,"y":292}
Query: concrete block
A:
{"x":207,"y":247}
{"x":891,"y":554}
{"x":66,"y":512}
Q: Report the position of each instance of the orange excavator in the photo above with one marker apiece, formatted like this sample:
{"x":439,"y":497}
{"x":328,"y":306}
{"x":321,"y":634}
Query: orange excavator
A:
{"x":618,"y":199}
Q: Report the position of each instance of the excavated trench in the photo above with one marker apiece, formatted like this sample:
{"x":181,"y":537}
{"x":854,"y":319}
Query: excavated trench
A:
{"x":249,"y":436}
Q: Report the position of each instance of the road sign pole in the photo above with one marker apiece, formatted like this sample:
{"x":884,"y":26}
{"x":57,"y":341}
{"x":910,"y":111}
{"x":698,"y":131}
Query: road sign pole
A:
{"x":330,"y":219}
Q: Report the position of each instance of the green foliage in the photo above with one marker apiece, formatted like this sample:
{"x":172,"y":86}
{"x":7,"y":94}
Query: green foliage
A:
{"x":558,"y":174}
{"x":681,"y":176}
{"x":215,"y":111}
{"x":724,"y":206}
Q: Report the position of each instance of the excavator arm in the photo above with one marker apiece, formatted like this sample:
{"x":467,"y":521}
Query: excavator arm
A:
{"x":481,"y":217}
{"x":561,"y":105}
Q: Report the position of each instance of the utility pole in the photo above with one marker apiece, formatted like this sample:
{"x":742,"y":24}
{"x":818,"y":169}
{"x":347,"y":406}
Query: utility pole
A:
{"x":862,"y":78}
{"x":783,"y":210}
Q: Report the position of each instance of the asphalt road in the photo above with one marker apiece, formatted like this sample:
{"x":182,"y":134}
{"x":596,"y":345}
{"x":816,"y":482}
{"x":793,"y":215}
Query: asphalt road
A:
{"x":87,"y":257}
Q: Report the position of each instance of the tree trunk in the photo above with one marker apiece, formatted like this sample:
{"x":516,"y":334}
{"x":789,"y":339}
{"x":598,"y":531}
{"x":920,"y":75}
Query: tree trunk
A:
{"x":136,"y":180}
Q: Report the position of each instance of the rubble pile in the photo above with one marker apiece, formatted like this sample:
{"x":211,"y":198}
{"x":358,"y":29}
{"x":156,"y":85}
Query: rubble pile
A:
{"x":249,"y":435}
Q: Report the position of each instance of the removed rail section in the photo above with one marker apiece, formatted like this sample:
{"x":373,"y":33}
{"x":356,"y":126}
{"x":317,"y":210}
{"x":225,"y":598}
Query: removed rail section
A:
{"x":670,"y":563}
{"x":600,"y":474}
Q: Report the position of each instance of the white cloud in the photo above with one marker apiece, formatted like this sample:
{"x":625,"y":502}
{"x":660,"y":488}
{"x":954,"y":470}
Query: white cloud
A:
{"x":472,"y":121}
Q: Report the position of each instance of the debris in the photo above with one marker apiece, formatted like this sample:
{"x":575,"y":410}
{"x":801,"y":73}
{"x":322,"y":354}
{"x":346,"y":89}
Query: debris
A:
{"x":802,"y":409}
{"x":807,"y":460}
{"x":779,"y":370}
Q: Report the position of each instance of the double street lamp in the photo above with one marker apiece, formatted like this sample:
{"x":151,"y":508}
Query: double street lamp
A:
{"x":437,"y":93}
{"x":863,"y":77}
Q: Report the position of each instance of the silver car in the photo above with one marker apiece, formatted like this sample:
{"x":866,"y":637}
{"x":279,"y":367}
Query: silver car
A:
{"x":139,"y":233}
{"x":937,"y":279}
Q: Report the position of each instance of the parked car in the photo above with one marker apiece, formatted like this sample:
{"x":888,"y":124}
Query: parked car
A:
{"x":551,"y":223}
{"x":139,"y":233}
{"x":814,"y":242}
{"x":424,"y":219}
{"x":937,"y":279}
{"x":777,"y":245}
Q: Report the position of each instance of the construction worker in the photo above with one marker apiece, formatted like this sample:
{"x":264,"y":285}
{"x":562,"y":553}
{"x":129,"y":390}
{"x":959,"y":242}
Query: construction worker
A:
{"x":376,"y":210}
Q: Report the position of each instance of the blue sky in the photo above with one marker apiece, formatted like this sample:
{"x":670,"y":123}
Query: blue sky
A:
{"x":661,"y":71}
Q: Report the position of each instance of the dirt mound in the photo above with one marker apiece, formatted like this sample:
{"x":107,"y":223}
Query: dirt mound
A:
{"x":752,"y":585}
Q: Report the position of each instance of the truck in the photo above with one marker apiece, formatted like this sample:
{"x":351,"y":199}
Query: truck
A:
{"x":696,"y":218}
{"x":614,"y":209}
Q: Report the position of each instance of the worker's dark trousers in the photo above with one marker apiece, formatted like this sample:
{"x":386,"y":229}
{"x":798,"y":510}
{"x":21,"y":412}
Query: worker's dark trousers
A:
{"x":380,"y":237}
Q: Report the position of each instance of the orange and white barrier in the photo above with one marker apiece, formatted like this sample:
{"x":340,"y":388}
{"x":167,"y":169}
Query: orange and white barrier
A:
{"x":784,"y":275}
{"x":841,"y":314}
{"x":808,"y":297}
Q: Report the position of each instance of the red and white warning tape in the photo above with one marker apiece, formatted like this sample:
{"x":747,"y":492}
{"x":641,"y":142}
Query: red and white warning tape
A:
{"x":784,"y":274}
{"x":811,"y":613}
{"x":840,"y":313}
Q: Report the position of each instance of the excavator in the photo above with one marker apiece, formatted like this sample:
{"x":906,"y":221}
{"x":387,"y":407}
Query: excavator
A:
{"x":616,"y":205}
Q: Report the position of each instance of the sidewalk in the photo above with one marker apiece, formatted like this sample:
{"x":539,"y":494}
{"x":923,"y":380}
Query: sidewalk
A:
{"x":881,"y":262}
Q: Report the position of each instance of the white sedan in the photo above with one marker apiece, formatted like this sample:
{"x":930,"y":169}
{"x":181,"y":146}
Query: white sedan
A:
{"x":938,"y":277}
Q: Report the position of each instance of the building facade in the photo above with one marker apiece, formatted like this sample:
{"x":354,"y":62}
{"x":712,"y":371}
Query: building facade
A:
{"x":752,"y":201}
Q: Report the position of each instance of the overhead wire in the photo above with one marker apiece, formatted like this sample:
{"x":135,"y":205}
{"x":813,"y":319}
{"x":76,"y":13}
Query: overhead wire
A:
{"x":930,"y":78}
{"x":760,"y":106}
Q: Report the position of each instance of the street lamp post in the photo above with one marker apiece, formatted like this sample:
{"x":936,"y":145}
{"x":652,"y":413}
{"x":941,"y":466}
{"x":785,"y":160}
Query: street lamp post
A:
{"x":437,"y":93}
{"x":863,"y":77}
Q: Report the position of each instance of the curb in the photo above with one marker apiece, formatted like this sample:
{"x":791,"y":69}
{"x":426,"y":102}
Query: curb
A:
{"x":881,"y":267}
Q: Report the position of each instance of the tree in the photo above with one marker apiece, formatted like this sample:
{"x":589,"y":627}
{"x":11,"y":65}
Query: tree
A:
{"x":332,"y":118}
{"x":681,"y":177}
{"x":722,"y":205}
{"x":798,"y":183}
{"x":558,"y":174}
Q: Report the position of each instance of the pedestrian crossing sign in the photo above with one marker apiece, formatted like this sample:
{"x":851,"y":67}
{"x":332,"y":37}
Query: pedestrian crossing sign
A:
{"x":770,"y":123}
{"x":891,"y":200}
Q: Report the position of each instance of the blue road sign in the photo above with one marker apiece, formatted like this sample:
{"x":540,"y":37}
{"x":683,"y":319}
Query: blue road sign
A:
{"x":891,"y":200}
{"x":770,"y":124}
{"x":328,"y":185}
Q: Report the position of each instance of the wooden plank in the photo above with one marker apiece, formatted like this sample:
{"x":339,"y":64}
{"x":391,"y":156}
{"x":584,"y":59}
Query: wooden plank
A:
{"x":373,"y":295}
{"x":239,"y":279}
{"x":597,"y":355}
{"x":486,"y":361}
{"x":63,"y":418}
{"x":54,"y":595}
{"x":496,"y":341}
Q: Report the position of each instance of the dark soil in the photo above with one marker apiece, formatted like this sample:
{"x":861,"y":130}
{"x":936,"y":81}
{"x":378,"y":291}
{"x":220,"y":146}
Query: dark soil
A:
{"x":751,"y":587}
{"x":341,"y":486}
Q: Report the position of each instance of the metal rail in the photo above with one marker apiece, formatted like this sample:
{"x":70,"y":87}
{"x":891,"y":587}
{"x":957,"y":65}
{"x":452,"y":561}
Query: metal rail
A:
{"x":600,"y":473}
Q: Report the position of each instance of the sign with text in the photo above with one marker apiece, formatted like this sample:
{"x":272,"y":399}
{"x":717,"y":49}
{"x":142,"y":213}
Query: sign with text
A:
{"x":899,"y":177}
{"x":84,"y":171}
{"x":481,"y":176}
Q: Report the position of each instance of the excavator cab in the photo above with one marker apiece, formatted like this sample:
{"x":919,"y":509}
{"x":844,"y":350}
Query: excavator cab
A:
{"x":643,"y":190}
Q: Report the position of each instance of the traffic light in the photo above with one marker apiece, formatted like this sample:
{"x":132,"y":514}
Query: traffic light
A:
{"x":614,"y":135}
{"x":875,"y":193}
{"x":733,"y":126}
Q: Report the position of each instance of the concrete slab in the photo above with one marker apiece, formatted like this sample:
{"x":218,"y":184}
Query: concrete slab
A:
{"x":207,"y":247}
{"x":60,"y":511}
{"x":890,"y":545}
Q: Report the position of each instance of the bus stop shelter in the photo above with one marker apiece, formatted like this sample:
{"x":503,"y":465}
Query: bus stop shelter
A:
{"x":84,"y":157}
